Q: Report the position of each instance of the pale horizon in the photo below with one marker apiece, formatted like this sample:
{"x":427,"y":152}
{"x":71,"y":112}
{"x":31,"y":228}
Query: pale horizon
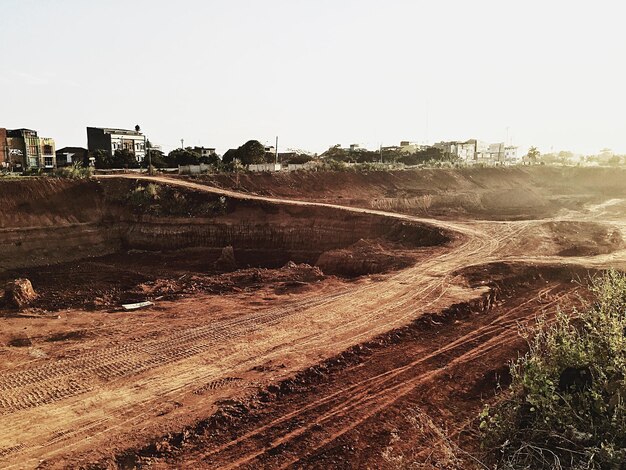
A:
{"x":316,"y":74}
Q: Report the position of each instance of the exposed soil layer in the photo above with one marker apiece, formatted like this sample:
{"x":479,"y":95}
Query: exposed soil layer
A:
{"x":261,"y":234}
{"x":486,"y":193}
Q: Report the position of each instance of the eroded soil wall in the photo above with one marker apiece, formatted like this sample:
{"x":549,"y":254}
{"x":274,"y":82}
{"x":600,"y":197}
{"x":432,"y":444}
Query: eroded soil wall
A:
{"x":59,"y":220}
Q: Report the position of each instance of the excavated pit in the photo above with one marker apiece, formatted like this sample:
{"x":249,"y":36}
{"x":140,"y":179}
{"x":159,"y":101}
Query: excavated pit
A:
{"x":93,"y":242}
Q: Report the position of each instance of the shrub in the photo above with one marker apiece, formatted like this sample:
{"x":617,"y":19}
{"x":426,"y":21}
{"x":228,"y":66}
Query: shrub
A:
{"x":144,"y":196}
{"x":565,"y":407}
{"x":75,"y":171}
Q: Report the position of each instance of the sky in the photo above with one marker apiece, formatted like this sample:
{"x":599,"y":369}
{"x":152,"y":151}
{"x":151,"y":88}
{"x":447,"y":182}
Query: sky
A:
{"x":316,"y":73}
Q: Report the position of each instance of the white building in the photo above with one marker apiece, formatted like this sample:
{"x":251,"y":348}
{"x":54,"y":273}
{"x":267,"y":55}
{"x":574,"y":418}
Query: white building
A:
{"x":111,"y":140}
{"x":510,"y":152}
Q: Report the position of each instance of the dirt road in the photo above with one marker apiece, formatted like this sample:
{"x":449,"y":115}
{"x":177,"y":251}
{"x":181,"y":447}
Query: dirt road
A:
{"x":96,"y":403}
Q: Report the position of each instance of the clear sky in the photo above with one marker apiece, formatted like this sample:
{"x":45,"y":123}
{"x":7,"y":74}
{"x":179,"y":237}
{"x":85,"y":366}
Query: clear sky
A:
{"x":318,"y":72}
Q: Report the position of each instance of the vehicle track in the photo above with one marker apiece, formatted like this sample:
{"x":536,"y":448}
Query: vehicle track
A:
{"x":404,"y":296}
{"x":326,"y":419}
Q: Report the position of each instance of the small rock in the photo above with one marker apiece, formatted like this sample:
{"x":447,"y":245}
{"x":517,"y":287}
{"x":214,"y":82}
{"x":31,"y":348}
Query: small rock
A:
{"x":19,"y":293}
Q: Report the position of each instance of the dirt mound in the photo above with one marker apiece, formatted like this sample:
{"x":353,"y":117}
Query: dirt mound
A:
{"x":365,"y":257}
{"x":283,"y":279}
{"x":19,"y":293}
{"x":568,"y":238}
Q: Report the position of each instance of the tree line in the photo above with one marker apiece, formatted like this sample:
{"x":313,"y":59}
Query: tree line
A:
{"x":249,"y":153}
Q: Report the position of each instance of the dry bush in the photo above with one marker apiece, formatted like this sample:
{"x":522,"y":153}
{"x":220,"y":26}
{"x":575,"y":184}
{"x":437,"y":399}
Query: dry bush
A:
{"x":565,"y":407}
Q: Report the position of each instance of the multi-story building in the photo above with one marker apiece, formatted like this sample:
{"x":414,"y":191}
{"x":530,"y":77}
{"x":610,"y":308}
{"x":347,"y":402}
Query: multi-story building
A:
{"x":47,"y":153}
{"x":467,"y":150}
{"x":111,"y":139}
{"x":24,"y":149}
{"x":4,"y":149}
{"x":510,"y":152}
{"x":496,"y":152}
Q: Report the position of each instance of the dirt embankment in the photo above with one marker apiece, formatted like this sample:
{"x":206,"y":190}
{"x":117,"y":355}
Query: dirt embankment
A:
{"x":50,"y":220}
{"x":485,"y":193}
{"x":92,"y":244}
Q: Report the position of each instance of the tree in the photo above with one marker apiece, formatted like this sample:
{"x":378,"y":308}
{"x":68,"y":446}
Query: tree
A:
{"x":614,"y":160}
{"x":211,"y":159}
{"x":249,"y":153}
{"x":336,"y":153}
{"x":533,"y":154}
{"x":158,"y":159}
{"x":124,"y":159}
{"x":103,"y":159}
{"x":230,"y":156}
{"x":183,"y":157}
{"x":423,"y":156}
{"x":566,"y":155}
{"x":252,"y":152}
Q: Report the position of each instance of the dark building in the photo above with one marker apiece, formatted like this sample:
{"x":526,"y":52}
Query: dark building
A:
{"x":70,"y":155}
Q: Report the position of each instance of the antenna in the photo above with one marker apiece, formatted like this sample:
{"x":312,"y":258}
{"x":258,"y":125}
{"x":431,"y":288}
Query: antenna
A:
{"x":427,"y":122}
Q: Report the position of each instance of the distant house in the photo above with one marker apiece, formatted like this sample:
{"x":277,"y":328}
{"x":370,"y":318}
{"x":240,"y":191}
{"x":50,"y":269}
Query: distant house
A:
{"x":510,"y":152}
{"x":24,"y":149}
{"x":410,"y":147}
{"x":70,"y":155}
{"x":205,"y":152}
{"x":111,"y":139}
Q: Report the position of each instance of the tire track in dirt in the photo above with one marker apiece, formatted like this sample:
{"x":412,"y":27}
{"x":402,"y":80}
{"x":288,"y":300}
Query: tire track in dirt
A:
{"x":350,"y":407}
{"x":424,"y":284}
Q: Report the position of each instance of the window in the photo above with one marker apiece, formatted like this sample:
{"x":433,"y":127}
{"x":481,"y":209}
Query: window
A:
{"x":47,"y":149}
{"x":48,"y":162}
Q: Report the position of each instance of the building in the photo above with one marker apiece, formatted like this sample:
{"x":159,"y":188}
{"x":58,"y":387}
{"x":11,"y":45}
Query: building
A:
{"x":205,"y":152}
{"x":410,"y":147}
{"x":47,"y":154}
{"x":510,"y":152}
{"x":4,"y":149}
{"x":110,"y":140}
{"x":23,"y":149}
{"x":449,"y":150}
{"x":466,"y":151}
{"x":70,"y":155}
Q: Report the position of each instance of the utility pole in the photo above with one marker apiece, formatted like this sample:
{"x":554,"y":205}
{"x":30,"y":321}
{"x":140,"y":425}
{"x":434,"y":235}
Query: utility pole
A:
{"x":427,"y":143}
{"x":182,"y":143}
{"x":146,"y":143}
{"x":380,"y":150}
{"x":276,"y":151}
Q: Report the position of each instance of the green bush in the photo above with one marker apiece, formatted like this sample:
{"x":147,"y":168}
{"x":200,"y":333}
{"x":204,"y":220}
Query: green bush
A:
{"x":144,"y":196}
{"x":565,"y":407}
